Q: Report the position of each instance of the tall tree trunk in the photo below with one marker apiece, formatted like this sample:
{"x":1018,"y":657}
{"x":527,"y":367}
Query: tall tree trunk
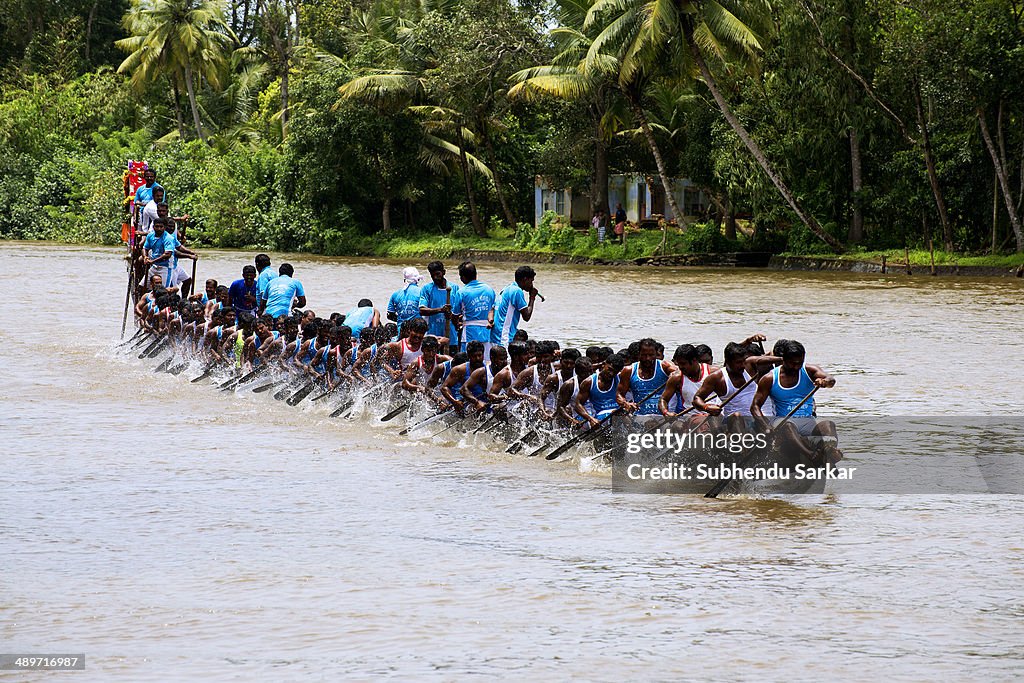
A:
{"x":730,"y":220}
{"x":177,"y":109}
{"x":995,"y":211}
{"x":284,"y":98}
{"x":720,"y":210}
{"x":192,"y":100}
{"x":385,"y":214}
{"x":929,"y":162}
{"x":478,"y":226}
{"x":510,"y":219}
{"x":807,"y":219}
{"x":641,"y":118}
{"x":856,"y":177}
{"x":88,"y":29}
{"x":1004,"y":183}
{"x":599,"y":195}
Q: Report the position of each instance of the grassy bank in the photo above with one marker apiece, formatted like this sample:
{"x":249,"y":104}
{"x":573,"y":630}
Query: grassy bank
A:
{"x":548,"y":237}
{"x":922,"y":258}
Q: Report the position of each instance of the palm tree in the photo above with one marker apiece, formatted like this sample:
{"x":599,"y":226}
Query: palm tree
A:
{"x":726,"y":30}
{"x":179,"y":38}
{"x":388,"y":31}
{"x":563,"y":79}
{"x":584,"y":70}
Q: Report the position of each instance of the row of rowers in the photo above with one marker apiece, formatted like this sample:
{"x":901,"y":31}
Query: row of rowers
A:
{"x":560,"y":384}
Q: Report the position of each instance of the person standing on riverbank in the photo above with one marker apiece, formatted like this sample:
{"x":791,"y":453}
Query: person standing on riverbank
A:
{"x":475,"y":308}
{"x":600,"y":224}
{"x":438,"y":299}
{"x":405,"y":303}
{"x":512,"y":306}
{"x":620,"y":223}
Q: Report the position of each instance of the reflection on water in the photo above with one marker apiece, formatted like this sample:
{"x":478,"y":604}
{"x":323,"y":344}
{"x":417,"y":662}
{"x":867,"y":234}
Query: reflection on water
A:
{"x":170,"y":531}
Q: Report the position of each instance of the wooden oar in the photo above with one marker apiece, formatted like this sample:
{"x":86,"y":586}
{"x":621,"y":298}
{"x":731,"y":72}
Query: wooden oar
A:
{"x":267,"y":387}
{"x":163,"y":366}
{"x":283,"y":393}
{"x":296,"y":398}
{"x":722,"y":483}
{"x":456,"y":423}
{"x":135,"y":336}
{"x":142,"y":340}
{"x":234,"y":383}
{"x":179,"y":368}
{"x":160,"y":348}
{"x":430,"y":420}
{"x":156,"y":342}
{"x":303,"y":391}
{"x":605,"y":421}
{"x":487,"y":424}
{"x":345,"y":407}
{"x":206,"y":372}
{"x":396,"y":412}
{"x":128,"y":291}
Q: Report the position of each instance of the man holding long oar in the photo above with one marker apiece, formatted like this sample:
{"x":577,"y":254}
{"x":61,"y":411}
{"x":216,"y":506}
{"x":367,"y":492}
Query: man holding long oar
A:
{"x":438,"y":301}
{"x":512,"y":306}
{"x":786,"y":385}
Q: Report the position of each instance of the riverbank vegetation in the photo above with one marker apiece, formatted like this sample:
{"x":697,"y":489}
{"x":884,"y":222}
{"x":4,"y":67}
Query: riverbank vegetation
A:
{"x":389,"y":127}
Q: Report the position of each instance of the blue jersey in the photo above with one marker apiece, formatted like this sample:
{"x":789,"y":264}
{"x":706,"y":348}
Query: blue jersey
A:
{"x":144,"y":194}
{"x":266,"y":275}
{"x":640,"y":388}
{"x":243,"y":296}
{"x":157,"y":246}
{"x":279,"y":294}
{"x":785,"y":399}
{"x":604,"y":402}
{"x":357,"y":319}
{"x":507,"y":312}
{"x":432,"y":297}
{"x":476,"y":300}
{"x":405,"y":303}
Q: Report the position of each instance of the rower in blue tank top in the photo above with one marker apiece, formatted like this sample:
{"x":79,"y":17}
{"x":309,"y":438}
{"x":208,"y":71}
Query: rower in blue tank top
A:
{"x":785,"y":399}
{"x":601,"y":389}
{"x":451,"y":388}
{"x":646,"y":378}
{"x":787,"y":386}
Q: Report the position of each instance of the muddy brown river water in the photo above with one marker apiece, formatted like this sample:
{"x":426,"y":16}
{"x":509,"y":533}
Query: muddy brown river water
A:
{"x":172,"y":532}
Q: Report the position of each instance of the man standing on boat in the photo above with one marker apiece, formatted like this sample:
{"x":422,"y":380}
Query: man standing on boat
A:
{"x":512,"y":305}
{"x":438,"y":299}
{"x":243,"y":292}
{"x":282,"y":293}
{"x":405,"y":303}
{"x":475,"y":308}
{"x":265,"y":275}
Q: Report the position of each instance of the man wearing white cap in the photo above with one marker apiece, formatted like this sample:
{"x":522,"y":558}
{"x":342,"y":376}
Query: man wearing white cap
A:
{"x":405,"y":303}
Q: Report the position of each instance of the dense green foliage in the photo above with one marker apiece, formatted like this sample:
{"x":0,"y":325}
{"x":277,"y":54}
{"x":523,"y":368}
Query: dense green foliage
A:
{"x":402,"y":126}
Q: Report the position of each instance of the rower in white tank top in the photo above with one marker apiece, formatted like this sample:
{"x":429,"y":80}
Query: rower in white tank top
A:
{"x":740,"y":405}
{"x":408,"y":355}
{"x":688,"y":389}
